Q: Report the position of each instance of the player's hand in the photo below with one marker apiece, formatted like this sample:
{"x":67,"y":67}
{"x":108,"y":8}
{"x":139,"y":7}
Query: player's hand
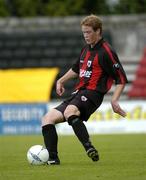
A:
{"x":117,"y":109}
{"x":60,"y":88}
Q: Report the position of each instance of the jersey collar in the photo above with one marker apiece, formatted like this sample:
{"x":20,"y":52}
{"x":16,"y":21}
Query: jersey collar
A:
{"x":97,"y":45}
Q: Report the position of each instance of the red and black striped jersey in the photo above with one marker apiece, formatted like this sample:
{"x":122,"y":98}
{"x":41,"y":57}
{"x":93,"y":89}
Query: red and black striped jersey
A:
{"x":98,"y":67}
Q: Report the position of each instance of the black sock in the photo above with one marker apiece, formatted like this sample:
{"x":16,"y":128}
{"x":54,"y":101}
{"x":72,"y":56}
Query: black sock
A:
{"x":50,"y":139}
{"x":80,"y":131}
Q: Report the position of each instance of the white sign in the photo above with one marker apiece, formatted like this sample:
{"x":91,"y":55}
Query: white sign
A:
{"x":104,"y":120}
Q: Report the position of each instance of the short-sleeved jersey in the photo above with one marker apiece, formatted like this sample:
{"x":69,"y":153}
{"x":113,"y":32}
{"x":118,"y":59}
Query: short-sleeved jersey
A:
{"x":98,"y":67}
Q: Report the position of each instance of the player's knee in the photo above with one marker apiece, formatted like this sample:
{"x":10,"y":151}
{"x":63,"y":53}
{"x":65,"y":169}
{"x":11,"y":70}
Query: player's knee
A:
{"x":45,"y":120}
{"x":71,"y":110}
{"x":52,"y":117}
{"x":73,"y":119}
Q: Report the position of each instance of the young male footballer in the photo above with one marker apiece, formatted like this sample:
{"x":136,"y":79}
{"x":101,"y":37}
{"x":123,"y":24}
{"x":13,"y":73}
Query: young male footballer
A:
{"x":96,"y":68}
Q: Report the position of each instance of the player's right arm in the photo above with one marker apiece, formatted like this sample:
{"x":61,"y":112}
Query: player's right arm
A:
{"x":70,"y":74}
{"x":73,"y":72}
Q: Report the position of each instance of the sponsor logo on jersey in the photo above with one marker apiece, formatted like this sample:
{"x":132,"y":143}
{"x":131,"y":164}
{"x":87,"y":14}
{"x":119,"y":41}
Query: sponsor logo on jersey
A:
{"x":84,"y":73}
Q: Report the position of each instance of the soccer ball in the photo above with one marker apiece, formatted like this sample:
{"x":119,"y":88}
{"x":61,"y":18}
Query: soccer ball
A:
{"x":37,"y":155}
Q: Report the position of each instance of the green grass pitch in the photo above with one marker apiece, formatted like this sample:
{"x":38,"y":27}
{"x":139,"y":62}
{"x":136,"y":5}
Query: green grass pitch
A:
{"x":122,"y":157}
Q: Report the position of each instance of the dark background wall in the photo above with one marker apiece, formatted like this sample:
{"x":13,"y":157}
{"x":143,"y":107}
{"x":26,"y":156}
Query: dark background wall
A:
{"x":41,"y":48}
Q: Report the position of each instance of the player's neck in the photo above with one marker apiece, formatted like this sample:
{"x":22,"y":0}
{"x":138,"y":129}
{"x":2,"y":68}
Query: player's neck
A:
{"x":96,"y":41}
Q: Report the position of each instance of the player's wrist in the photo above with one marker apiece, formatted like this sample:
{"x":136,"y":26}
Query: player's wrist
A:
{"x":60,"y":81}
{"x":113,"y":101}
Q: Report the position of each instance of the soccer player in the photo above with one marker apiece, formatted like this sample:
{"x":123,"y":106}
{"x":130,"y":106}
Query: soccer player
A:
{"x":96,"y":68}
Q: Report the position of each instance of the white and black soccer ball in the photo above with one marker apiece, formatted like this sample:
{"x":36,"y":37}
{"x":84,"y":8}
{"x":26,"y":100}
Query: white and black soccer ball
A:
{"x":37,"y":155}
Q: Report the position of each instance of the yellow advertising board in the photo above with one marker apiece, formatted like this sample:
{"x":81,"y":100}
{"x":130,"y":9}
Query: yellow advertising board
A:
{"x":27,"y":85}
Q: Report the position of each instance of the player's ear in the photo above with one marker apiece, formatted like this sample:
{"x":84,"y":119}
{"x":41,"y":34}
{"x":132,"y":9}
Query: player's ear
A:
{"x":98,"y":31}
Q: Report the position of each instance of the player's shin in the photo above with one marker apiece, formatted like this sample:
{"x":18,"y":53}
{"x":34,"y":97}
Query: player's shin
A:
{"x":82,"y":134}
{"x":50,"y":140}
{"x":80,"y":130}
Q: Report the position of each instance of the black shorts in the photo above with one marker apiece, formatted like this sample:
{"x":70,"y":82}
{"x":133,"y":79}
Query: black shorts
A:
{"x":87,"y":101}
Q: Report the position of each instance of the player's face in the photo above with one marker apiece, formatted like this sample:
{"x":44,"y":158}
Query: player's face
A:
{"x":91,"y":37}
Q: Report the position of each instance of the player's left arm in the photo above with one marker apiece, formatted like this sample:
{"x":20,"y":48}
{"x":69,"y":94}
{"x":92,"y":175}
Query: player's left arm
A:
{"x":113,"y":67}
{"x":120,"y":78}
{"x":115,"y":99}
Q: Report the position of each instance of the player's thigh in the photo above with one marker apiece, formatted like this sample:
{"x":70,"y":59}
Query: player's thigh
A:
{"x":52,"y":117}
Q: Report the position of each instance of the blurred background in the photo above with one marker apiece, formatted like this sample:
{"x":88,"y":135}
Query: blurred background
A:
{"x":40,"y":39}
